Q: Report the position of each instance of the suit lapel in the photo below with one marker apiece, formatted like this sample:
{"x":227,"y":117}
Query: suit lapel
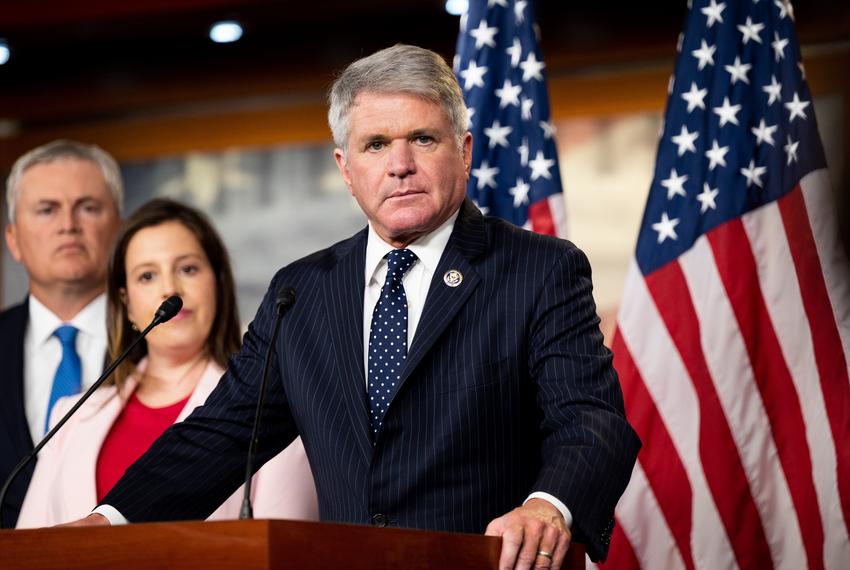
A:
{"x":344,"y":298}
{"x":12,"y":407}
{"x":468,"y":240}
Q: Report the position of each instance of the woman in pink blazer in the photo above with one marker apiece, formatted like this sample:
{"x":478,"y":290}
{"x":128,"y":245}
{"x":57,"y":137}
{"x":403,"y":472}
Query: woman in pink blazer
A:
{"x":165,"y":248}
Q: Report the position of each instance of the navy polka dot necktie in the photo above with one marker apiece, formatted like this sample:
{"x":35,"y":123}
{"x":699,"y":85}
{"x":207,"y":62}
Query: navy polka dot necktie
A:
{"x":388,"y":337}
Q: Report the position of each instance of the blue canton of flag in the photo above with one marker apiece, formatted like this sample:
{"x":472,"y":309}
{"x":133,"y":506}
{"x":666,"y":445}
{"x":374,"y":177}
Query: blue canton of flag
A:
{"x":515,"y":172}
{"x":740,"y":128}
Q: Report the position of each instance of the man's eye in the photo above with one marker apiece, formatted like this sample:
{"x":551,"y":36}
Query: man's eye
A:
{"x":45,"y":210}
{"x":424,"y":139}
{"x":375,"y":145}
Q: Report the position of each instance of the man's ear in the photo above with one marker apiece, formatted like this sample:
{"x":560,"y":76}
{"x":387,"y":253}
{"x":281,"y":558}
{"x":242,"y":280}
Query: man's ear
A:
{"x":467,"y":152}
{"x":12,"y":242}
{"x":342,"y":165}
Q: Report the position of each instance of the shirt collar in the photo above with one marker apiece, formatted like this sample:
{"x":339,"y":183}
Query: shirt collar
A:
{"x":90,"y":320}
{"x":428,"y":248}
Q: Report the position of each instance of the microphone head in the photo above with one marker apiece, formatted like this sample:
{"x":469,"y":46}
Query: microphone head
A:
{"x":285,"y":298}
{"x":168,"y":309}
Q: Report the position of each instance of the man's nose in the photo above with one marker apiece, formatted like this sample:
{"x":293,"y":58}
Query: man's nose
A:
{"x":69,"y":220}
{"x":400,"y":160}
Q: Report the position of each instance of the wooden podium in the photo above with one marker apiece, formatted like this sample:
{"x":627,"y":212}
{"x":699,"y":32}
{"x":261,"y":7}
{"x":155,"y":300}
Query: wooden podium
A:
{"x":248,"y":545}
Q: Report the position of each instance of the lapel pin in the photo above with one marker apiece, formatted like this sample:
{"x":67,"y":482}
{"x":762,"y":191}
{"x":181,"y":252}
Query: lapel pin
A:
{"x":452,"y":278}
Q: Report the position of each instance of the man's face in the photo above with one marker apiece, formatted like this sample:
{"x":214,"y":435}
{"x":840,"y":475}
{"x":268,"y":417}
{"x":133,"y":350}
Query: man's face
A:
{"x":403,"y":165}
{"x":65,"y":222}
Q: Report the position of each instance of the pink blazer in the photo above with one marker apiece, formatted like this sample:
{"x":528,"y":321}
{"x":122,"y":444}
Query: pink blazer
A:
{"x":63,"y":484}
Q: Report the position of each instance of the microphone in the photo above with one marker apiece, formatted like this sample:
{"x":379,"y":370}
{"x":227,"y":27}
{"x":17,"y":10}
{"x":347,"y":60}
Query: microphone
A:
{"x":165,"y":312}
{"x":283,"y":301}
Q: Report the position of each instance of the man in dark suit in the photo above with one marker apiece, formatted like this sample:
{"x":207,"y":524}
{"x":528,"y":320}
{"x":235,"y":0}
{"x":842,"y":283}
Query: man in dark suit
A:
{"x":63,"y":200}
{"x":504,"y":415}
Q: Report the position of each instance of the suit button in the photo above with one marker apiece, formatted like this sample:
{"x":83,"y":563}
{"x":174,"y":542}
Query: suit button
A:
{"x":380,"y":520}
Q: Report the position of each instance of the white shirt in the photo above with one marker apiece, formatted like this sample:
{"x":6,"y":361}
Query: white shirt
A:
{"x":428,"y":249}
{"x":43,"y":352}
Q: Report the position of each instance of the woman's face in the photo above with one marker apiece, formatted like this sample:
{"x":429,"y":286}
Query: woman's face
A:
{"x":166,"y":260}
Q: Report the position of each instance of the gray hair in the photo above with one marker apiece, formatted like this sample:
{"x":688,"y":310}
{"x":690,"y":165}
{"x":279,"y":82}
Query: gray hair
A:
{"x":398,"y":69}
{"x":60,"y":150}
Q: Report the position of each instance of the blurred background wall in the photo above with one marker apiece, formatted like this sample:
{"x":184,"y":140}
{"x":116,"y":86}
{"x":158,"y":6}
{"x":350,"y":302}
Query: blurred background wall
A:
{"x":239,"y":129}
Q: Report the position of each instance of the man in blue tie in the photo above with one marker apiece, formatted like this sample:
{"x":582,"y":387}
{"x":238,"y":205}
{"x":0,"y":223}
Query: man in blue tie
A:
{"x":444,"y":369}
{"x":63,"y":201}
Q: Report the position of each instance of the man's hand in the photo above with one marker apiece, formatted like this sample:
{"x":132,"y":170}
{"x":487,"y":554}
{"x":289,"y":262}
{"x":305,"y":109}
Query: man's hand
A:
{"x":93,"y":519}
{"x":527,"y":531}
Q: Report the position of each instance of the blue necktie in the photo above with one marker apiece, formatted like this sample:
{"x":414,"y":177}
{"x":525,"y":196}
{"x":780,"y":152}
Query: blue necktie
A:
{"x":67,"y":379}
{"x":388,"y":337}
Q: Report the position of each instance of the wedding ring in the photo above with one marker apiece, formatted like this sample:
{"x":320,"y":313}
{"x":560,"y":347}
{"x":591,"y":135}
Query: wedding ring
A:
{"x":545,"y":553}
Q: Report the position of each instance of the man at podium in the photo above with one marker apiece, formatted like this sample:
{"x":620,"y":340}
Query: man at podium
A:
{"x":445,"y":370}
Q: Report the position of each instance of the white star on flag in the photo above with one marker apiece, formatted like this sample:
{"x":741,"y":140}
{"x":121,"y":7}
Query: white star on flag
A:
{"x":685,"y":140}
{"x":540,"y":166}
{"x":527,"y":104}
{"x":497,"y":134}
{"x":791,"y":150}
{"x":502,"y":3}
{"x":483,"y":35}
{"x":548,"y":129}
{"x":706,"y":198}
{"x":785,"y":8}
{"x":508,"y":94}
{"x":531,"y":68}
{"x":519,"y":11}
{"x":727,"y":112}
{"x":523,"y":152}
{"x":695,"y":97}
{"x":753,"y":174}
{"x":486,"y":175}
{"x":705,"y":54}
{"x":473,"y":75}
{"x":796,"y":108}
{"x":738,"y":70}
{"x":714,"y":12}
{"x":675,"y":184}
{"x":751,"y":30}
{"x":764,"y":133}
{"x":666,"y":228}
{"x":778,"y":45}
{"x":716,"y":155}
{"x":520,"y":192}
{"x":470,"y":111}
{"x":515,"y":51}
{"x":774,"y":90}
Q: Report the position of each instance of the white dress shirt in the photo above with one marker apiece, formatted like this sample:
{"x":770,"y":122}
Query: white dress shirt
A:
{"x":43,"y":352}
{"x":428,"y":249}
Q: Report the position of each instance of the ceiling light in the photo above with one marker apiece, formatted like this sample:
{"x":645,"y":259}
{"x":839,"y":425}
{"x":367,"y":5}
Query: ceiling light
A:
{"x":457,"y":7}
{"x":225,"y":32}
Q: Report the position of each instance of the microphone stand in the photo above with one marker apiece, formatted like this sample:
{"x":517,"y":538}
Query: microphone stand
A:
{"x":285,"y":299}
{"x":162,"y":315}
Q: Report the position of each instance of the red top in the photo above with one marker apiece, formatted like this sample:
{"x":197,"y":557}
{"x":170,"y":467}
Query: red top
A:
{"x":136,"y":428}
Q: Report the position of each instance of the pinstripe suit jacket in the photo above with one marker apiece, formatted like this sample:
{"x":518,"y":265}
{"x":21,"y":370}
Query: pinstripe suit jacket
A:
{"x":507,"y":389}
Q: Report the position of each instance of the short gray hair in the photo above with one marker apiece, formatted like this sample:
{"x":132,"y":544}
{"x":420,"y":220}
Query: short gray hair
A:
{"x":60,"y":150}
{"x":398,"y":69}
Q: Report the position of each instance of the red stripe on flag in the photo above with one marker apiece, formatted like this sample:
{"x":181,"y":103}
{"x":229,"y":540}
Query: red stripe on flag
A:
{"x":658,"y":457}
{"x":829,"y":355}
{"x":541,"y":219}
{"x":737,"y":267}
{"x":621,"y":554}
{"x":721,"y":463}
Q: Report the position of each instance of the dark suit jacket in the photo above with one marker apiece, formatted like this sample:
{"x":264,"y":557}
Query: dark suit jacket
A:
{"x":15,"y":439}
{"x":507,"y":389}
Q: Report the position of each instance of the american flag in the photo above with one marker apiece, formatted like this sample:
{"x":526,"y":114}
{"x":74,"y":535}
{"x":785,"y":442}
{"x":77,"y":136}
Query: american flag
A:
{"x":734,"y":330}
{"x":499,"y":65}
